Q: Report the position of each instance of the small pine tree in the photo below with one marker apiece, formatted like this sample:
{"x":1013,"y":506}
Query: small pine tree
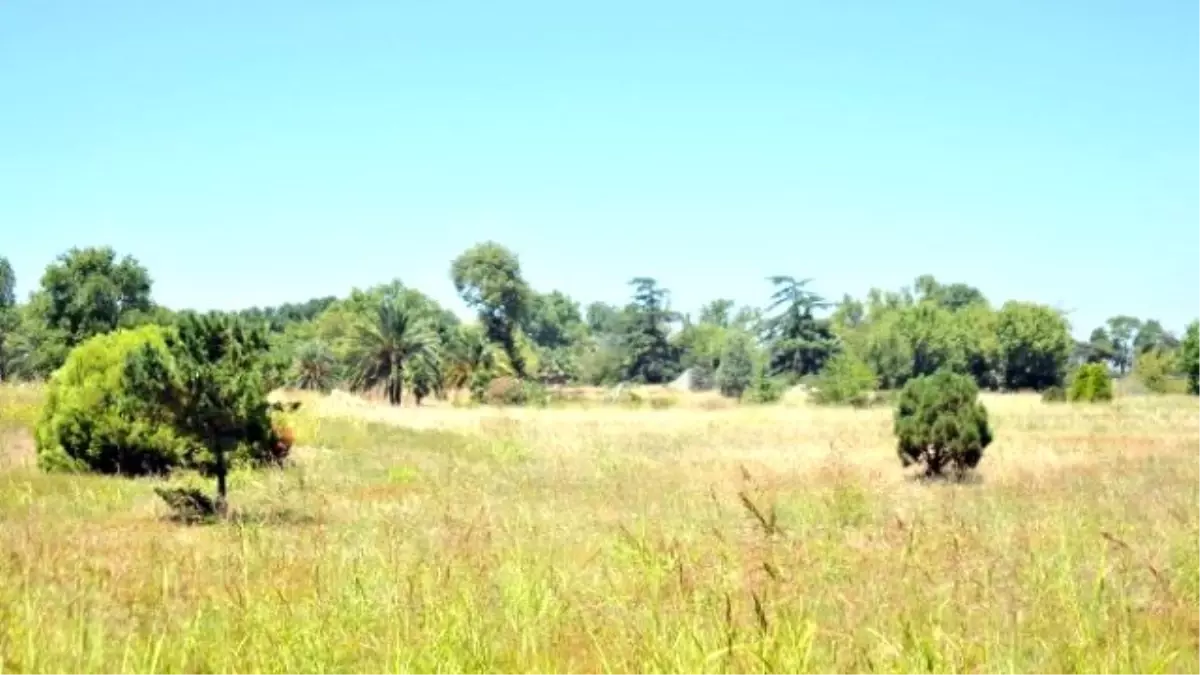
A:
{"x":939,"y":423}
{"x":736,"y":371}
{"x":1090,"y":383}
{"x":220,"y":394}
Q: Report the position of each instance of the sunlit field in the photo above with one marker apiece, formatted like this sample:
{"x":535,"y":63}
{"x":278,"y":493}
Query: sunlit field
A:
{"x":696,"y":537}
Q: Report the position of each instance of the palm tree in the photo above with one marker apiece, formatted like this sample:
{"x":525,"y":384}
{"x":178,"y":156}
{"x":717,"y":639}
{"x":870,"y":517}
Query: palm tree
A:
{"x":313,"y":367}
{"x":471,"y":358}
{"x":381,"y":348}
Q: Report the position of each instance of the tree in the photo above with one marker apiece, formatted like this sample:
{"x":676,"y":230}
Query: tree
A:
{"x":797,"y":342}
{"x":553,"y":320}
{"x":488,"y":277}
{"x":1150,"y":336}
{"x":1121,"y":330}
{"x":939,"y":423}
{"x":603,"y":319}
{"x":1153,"y":368}
{"x":717,"y":313}
{"x":314,"y":367}
{"x":1190,"y":356}
{"x":1100,"y":347}
{"x":383,"y":346}
{"x":8,"y":285}
{"x":469,"y":360}
{"x":153,"y":399}
{"x":845,"y":379}
{"x":736,"y":371}
{"x":952,"y":297}
{"x":224,"y":404}
{"x":1090,"y":383}
{"x":933,"y":338}
{"x":649,"y":356}
{"x":8,"y":315}
{"x":1034,"y":345}
{"x":86,"y":292}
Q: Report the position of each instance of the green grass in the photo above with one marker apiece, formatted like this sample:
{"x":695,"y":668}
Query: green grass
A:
{"x":746,"y":540}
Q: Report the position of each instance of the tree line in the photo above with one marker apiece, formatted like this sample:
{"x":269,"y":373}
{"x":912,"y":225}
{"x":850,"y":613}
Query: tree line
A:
{"x":395,"y":339}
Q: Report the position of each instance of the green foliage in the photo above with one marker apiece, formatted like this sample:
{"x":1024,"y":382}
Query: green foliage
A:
{"x":552,"y":320}
{"x":1122,"y":330}
{"x":940,"y":425}
{"x":217,"y":393}
{"x":1152,"y":336}
{"x":1090,"y":383}
{"x":314,"y":367}
{"x":89,"y":292}
{"x":798,"y":343}
{"x":488,"y":277}
{"x":8,"y":285}
{"x":1153,"y":369}
{"x":1034,"y":346}
{"x":382,"y":346}
{"x":649,"y":356}
{"x":1100,"y":348}
{"x":95,"y":419}
{"x":1189,"y":359}
{"x":736,"y":372}
{"x":952,"y":297}
{"x":763,"y":388}
{"x":845,"y":379}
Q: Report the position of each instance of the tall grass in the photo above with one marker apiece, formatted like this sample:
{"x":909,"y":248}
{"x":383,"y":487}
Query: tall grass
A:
{"x":744,"y":540}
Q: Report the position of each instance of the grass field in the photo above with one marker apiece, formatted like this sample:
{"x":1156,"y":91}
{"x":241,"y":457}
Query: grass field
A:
{"x":778,"y":538}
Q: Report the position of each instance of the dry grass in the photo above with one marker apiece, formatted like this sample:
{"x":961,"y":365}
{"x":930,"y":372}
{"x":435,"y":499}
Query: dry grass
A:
{"x":751,"y":539}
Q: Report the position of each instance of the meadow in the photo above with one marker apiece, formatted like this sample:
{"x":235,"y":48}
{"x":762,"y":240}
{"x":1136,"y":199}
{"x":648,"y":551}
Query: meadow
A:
{"x":604,"y":538}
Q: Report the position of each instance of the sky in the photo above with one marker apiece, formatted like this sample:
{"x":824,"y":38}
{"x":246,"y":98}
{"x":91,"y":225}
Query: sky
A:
{"x":252,"y":153}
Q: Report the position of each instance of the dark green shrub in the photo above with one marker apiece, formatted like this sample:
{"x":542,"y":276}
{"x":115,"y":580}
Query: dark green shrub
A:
{"x":1189,"y":357}
{"x":1054,"y":395}
{"x":94,"y":419}
{"x":1090,"y":383}
{"x":150,"y":400}
{"x":763,"y":389}
{"x":940,"y":425}
{"x":844,"y":380}
{"x":736,"y":372}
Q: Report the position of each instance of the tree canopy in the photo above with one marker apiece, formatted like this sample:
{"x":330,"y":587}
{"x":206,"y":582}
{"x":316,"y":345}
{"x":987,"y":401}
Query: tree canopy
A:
{"x":399,"y":340}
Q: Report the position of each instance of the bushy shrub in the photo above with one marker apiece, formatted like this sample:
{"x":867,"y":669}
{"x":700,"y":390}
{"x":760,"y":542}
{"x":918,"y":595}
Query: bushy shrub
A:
{"x":1054,"y":395}
{"x":506,"y":390}
{"x":736,"y":372}
{"x":1090,"y":383}
{"x":763,"y":389}
{"x":155,"y":399}
{"x":94,"y":420}
{"x":940,"y":425}
{"x":1153,"y":369}
{"x":844,"y":380}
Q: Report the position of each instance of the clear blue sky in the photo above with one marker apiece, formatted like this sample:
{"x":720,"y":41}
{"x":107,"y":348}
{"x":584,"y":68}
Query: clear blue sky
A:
{"x":254,"y":152}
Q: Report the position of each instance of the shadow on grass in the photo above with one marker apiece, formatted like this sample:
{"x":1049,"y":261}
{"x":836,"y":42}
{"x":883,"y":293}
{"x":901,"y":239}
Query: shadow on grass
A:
{"x":190,"y":506}
{"x":258,"y":517}
{"x":951,"y":478}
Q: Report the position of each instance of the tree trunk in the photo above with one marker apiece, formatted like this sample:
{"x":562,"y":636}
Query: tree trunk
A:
{"x":222,"y":487}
